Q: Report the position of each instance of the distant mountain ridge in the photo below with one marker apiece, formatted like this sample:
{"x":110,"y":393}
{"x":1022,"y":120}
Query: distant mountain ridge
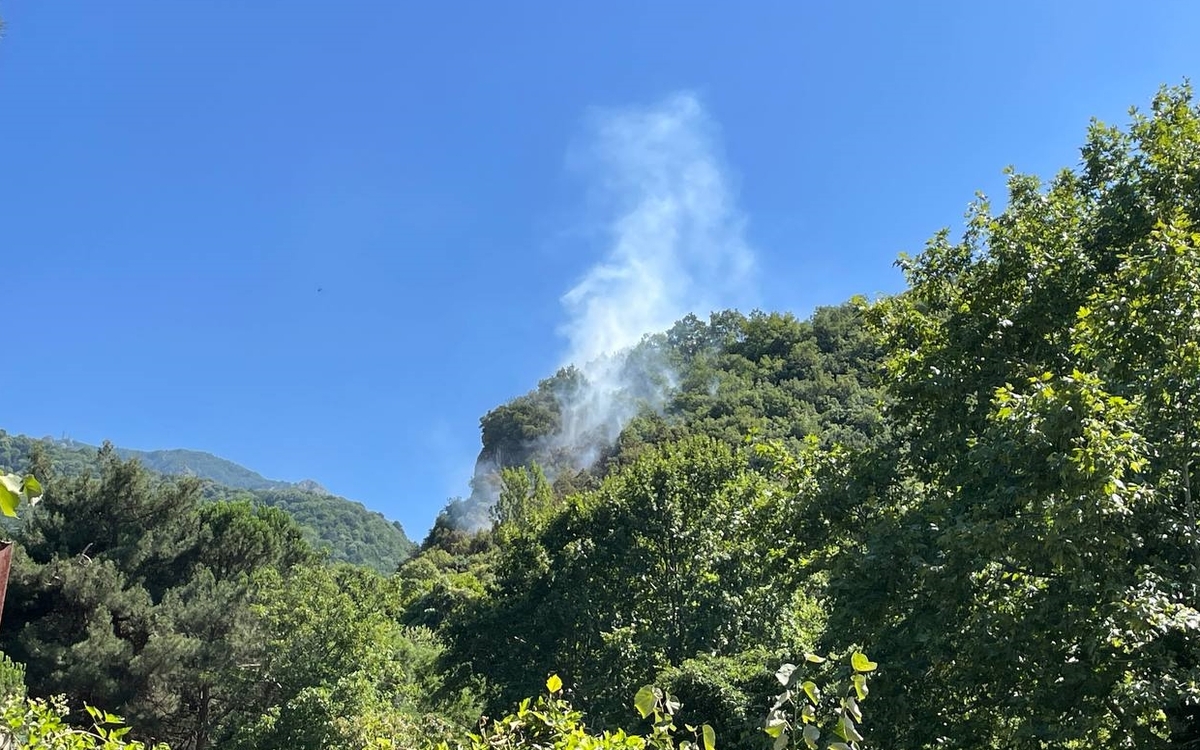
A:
{"x":348,"y":529}
{"x":184,"y":462}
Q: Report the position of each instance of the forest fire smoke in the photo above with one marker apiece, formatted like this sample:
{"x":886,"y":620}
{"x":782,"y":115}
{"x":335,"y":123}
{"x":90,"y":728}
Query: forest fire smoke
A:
{"x":674,"y":244}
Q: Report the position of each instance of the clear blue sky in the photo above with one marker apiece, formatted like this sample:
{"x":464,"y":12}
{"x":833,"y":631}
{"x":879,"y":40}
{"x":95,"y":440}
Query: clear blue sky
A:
{"x":179,"y":179}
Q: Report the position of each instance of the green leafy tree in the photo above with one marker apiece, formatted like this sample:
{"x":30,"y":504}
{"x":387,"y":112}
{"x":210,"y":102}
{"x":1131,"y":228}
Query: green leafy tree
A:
{"x":131,"y":592}
{"x":526,"y":498}
{"x":663,"y":562}
{"x":335,"y":664}
{"x":1025,"y":561}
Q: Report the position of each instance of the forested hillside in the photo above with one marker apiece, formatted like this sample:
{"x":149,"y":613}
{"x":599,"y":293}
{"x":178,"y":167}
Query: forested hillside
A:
{"x":345,"y":529}
{"x":987,"y":483}
{"x":204,"y":465}
{"x":732,"y":376}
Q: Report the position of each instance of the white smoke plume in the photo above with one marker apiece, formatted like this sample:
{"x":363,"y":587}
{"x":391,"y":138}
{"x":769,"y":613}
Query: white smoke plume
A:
{"x":675,"y":245}
{"x":675,"y":233}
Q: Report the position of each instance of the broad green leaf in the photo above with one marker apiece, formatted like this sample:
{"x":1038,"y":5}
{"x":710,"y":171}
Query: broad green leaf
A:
{"x":775,"y":727}
{"x":861,"y":663}
{"x":811,"y":735}
{"x":812,"y":691}
{"x":840,"y":728}
{"x":32,"y":488}
{"x":860,"y":686}
{"x":671,"y":703}
{"x":849,"y":731}
{"x":710,"y":737}
{"x":780,"y":742}
{"x":644,"y":701}
{"x":9,"y":501}
{"x":554,"y":684}
{"x":814,"y":658}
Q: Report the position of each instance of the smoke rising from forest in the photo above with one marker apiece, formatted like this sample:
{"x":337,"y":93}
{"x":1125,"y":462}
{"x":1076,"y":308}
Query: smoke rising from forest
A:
{"x":673,"y":231}
{"x":672,"y":238}
{"x":675,"y":245}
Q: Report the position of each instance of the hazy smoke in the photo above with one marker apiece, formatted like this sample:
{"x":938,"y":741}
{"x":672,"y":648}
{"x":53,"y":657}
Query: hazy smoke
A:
{"x":675,"y":234}
{"x":674,"y":245}
{"x":673,"y":240}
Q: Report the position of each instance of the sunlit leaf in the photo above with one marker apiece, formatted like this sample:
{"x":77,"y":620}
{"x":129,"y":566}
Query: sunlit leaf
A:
{"x":849,"y":731}
{"x":860,"y":686}
{"x":32,"y":489}
{"x":851,"y":706}
{"x":775,"y":727}
{"x":10,"y":494}
{"x":812,"y":691}
{"x":9,"y":501}
{"x":861,"y":663}
{"x":644,"y":701}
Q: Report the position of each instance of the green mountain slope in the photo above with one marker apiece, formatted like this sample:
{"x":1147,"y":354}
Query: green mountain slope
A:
{"x":200,"y":464}
{"x":772,"y":375}
{"x":346,"y":529}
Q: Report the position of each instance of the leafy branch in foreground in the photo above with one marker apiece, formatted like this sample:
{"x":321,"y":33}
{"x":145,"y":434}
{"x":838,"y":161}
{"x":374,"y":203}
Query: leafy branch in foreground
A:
{"x":551,"y":722}
{"x":803,"y":714}
{"x":41,"y":724}
{"x":660,"y":707}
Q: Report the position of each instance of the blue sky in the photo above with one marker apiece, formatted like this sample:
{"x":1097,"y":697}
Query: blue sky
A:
{"x":180,"y":178}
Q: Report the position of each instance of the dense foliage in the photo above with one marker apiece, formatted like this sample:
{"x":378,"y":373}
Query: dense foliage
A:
{"x":205,"y":623}
{"x":1044,"y":371}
